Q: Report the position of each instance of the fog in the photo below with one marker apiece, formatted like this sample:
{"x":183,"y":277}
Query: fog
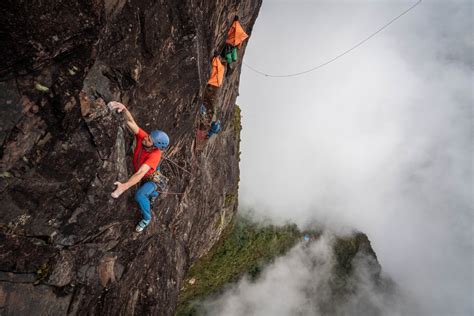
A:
{"x":379,"y":140}
{"x":300,"y":284}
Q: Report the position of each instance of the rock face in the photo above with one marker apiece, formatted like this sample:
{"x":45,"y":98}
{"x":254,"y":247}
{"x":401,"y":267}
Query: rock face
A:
{"x":67,"y":247}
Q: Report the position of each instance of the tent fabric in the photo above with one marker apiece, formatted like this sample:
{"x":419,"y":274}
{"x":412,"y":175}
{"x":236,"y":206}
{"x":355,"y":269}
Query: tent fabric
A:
{"x":217,"y":73}
{"x":236,"y":35}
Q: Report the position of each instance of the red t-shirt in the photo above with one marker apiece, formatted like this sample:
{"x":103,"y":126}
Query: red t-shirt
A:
{"x":141,"y":156}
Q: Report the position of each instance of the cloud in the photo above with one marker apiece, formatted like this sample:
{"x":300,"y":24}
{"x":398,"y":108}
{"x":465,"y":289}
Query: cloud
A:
{"x":301,"y":283}
{"x":380,"y":140}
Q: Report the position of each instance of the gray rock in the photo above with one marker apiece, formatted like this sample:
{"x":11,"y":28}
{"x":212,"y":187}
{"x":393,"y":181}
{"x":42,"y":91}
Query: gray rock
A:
{"x":155,"y":57}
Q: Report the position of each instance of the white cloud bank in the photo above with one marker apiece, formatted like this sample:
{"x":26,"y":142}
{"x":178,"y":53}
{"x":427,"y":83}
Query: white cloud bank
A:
{"x":300,"y":284}
{"x":380,"y":140}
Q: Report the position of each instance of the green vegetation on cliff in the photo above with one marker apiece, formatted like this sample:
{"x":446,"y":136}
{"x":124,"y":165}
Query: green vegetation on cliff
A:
{"x":246,"y":247}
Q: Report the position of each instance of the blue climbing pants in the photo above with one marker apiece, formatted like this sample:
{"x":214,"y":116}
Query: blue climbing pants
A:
{"x":142,"y":196}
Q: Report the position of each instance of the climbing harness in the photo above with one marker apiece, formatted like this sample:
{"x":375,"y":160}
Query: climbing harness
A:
{"x":159,"y":179}
{"x":156,"y":176}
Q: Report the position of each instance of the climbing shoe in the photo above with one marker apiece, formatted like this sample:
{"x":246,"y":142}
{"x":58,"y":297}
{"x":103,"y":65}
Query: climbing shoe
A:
{"x":141,"y":226}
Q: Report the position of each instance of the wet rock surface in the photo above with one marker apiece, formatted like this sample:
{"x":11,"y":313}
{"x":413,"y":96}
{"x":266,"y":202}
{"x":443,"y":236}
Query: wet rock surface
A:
{"x":66,"y":246}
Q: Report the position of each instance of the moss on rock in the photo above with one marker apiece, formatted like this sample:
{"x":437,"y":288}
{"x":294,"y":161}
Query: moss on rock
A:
{"x":236,"y":120}
{"x":245,"y":248}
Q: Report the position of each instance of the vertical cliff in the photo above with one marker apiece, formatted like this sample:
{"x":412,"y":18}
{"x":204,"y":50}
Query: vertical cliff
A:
{"x":67,"y":247}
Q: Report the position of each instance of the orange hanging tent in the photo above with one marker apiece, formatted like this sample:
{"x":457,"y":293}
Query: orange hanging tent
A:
{"x":236,"y":35}
{"x":217,"y":72}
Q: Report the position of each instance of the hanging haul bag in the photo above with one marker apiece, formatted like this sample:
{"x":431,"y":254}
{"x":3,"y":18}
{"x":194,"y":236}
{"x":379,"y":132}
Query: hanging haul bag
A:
{"x":234,"y":54}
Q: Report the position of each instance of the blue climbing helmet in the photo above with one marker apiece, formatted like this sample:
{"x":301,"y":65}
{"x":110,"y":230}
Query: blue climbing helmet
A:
{"x":160,"y":139}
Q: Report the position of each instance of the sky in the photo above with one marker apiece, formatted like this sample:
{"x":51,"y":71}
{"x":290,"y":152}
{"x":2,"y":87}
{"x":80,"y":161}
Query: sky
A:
{"x":378,"y":141}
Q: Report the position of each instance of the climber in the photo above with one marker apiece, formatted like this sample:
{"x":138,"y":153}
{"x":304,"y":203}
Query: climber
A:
{"x":215,"y":128}
{"x":146,"y":160}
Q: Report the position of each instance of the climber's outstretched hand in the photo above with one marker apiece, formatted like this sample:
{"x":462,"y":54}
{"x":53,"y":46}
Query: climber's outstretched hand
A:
{"x":119,"y":190}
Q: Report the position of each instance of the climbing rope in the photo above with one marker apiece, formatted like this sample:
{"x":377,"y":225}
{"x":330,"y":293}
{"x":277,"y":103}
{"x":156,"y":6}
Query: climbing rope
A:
{"x":340,"y":55}
{"x":174,"y":163}
{"x":166,"y":192}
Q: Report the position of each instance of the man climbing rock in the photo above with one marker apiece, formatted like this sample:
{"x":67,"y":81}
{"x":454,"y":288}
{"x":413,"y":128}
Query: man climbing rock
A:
{"x":146,"y":159}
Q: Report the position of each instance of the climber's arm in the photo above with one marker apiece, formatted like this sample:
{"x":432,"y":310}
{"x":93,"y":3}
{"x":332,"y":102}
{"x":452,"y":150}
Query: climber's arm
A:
{"x":134,"y":179}
{"x":132,"y":125}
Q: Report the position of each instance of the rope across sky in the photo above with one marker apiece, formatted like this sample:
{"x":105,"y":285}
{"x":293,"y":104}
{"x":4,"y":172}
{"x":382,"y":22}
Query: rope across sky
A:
{"x":341,"y":54}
